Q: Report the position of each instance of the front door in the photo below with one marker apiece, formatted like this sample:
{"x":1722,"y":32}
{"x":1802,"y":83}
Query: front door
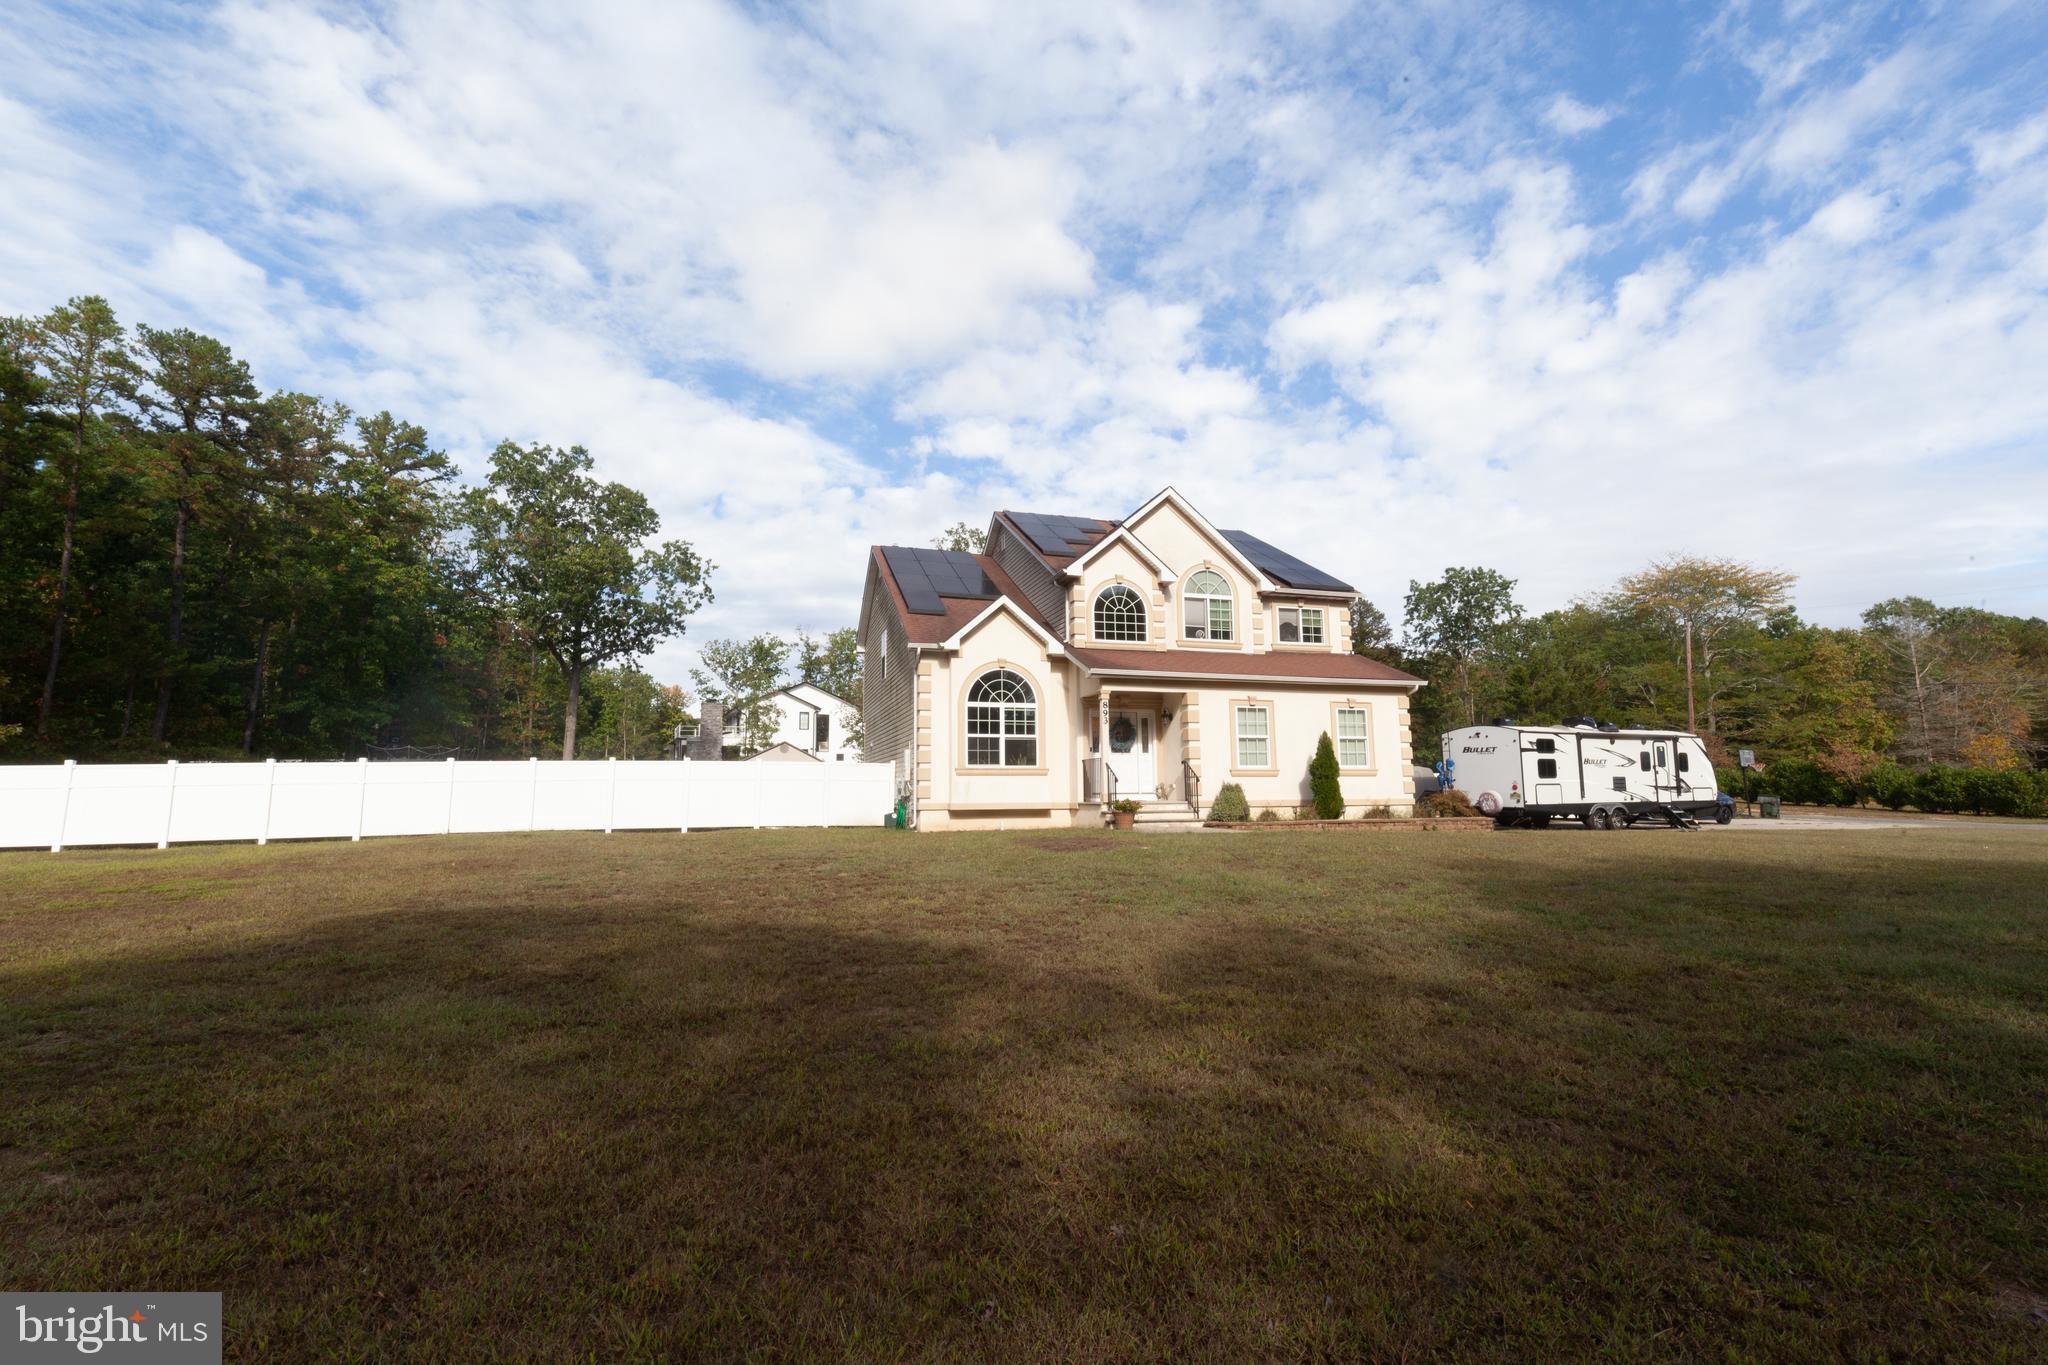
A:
{"x":1130,"y":756}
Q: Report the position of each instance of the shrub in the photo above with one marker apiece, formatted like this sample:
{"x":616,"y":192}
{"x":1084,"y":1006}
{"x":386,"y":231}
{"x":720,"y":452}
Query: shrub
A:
{"x":1322,"y":781}
{"x":1269,"y":816}
{"x":1890,"y":786}
{"x":1306,"y":813}
{"x":1999,"y":791}
{"x":1452,"y":802}
{"x":1938,"y":789}
{"x":1230,"y":804}
{"x":1803,"y":782}
{"x":1376,"y":813}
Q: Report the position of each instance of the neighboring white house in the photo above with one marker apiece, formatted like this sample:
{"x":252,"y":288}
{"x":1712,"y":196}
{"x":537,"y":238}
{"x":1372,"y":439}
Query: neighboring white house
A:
{"x":813,"y":720}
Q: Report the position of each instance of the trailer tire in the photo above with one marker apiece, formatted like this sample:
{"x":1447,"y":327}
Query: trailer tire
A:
{"x":1487,"y":803}
{"x":1599,"y":818}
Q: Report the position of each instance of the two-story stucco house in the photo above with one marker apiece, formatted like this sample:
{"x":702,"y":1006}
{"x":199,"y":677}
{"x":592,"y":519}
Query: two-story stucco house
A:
{"x":1153,"y":658}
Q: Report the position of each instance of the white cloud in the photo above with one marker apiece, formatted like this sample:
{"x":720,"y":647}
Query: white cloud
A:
{"x":1570,"y":118}
{"x":820,"y":278}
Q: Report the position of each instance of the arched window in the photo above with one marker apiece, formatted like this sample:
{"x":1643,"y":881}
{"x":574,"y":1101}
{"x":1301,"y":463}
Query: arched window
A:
{"x":1207,"y":607}
{"x":1119,"y":614}
{"x":1002,"y":722}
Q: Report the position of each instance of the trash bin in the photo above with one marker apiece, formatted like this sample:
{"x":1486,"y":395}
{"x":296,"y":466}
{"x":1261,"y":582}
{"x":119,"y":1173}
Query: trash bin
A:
{"x":1767,"y":807}
{"x":901,"y":804}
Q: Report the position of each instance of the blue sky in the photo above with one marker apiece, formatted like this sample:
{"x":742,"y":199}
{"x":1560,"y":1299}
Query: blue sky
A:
{"x":1556,"y":289}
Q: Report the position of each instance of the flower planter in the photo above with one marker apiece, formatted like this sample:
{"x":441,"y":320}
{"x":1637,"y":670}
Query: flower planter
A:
{"x":1123,"y":819}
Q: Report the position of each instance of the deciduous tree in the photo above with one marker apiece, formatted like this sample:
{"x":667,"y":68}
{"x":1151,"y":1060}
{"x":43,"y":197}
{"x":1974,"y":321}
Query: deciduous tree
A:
{"x":961,"y":536}
{"x":1709,"y":602}
{"x":1460,"y":624}
{"x":565,"y":558}
{"x":740,"y":675}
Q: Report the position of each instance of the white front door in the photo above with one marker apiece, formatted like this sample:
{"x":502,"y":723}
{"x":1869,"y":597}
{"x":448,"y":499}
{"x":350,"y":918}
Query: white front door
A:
{"x":1129,"y":753}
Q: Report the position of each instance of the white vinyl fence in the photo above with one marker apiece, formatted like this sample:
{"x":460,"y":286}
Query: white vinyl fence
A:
{"x":58,"y":805}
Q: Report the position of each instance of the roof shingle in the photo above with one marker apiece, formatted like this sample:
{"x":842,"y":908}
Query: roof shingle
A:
{"x":1232,"y":663}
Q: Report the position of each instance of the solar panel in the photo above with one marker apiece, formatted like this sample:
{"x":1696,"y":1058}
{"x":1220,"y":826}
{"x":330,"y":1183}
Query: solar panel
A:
{"x":1054,"y":535}
{"x":1283,"y":567}
{"x":925,"y":577}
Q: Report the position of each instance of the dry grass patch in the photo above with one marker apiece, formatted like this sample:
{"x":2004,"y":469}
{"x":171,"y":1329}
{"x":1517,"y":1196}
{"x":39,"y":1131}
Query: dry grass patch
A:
{"x":793,"y":1094}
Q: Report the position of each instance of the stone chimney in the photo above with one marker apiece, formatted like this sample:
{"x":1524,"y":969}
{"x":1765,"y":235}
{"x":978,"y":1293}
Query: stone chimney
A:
{"x":708,"y":744}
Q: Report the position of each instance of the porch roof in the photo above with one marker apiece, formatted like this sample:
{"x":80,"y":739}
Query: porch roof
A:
{"x":1199,"y":663}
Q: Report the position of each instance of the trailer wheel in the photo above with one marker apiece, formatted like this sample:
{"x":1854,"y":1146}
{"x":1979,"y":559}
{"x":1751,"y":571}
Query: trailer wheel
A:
{"x":1600,"y":818}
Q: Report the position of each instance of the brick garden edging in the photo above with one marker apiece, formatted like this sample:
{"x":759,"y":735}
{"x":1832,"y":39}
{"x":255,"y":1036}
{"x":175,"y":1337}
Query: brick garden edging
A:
{"x":1437,"y":822}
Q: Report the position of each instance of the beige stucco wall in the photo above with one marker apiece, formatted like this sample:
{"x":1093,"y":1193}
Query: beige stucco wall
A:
{"x":1300,"y":717}
{"x":1336,"y":625}
{"x":1185,"y":548}
{"x":962,"y":797}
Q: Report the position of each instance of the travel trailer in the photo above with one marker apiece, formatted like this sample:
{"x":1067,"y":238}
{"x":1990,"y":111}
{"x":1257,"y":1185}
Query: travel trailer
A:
{"x":1601,"y":775}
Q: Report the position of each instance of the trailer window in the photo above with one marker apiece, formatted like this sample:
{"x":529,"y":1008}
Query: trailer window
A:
{"x":1684,"y":761}
{"x":1646,"y":760}
{"x":1660,"y":755}
{"x":1546,"y":767}
{"x":1546,"y":746}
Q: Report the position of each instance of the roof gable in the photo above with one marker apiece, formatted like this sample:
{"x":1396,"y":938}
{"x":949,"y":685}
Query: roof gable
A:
{"x":1122,"y":535}
{"x":1168,"y":501}
{"x":1004,"y":606}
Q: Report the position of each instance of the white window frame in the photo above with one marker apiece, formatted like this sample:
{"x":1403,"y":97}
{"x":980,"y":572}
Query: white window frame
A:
{"x":882,"y":659}
{"x":1238,"y":737}
{"x":1224,"y":601}
{"x":1307,"y":623}
{"x":1140,"y":617}
{"x":1011,"y":723}
{"x":1363,"y":739}
{"x":803,"y":721}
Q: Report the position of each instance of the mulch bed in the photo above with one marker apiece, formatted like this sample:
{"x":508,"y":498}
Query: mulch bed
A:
{"x":1439,"y":822}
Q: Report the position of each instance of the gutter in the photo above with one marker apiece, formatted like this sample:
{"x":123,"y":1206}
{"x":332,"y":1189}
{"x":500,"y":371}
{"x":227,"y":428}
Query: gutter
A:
{"x":1247,"y":678}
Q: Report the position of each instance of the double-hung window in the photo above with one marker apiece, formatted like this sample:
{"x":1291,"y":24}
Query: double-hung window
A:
{"x":1301,"y":625}
{"x":1254,"y":736}
{"x":1354,"y":746}
{"x":1206,"y":606}
{"x":803,"y":720}
{"x":1002,"y":722}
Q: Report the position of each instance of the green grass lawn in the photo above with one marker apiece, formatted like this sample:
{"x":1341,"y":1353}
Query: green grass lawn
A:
{"x":858,"y":1094}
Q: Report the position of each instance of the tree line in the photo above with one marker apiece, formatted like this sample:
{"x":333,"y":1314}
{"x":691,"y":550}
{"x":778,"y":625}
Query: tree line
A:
{"x":1717,"y":646}
{"x":190,"y":566}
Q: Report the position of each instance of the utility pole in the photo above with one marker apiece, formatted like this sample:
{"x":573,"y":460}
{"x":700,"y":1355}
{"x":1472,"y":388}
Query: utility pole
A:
{"x":1692,"y":723}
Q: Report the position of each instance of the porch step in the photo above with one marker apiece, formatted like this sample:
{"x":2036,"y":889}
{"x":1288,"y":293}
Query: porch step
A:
{"x":1161,"y":813}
